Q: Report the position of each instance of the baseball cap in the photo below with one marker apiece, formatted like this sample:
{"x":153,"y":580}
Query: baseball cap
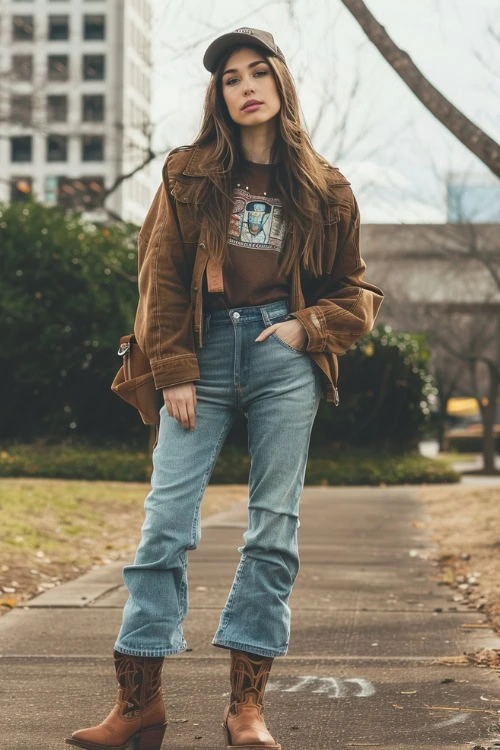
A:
{"x":245,"y":35}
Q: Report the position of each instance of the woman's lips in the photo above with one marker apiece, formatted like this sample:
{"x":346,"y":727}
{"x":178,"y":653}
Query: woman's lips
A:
{"x":251,"y":107}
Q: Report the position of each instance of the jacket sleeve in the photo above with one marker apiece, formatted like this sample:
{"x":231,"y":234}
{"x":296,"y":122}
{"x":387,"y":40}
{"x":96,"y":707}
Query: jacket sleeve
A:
{"x":163,"y":322}
{"x":346,"y":305}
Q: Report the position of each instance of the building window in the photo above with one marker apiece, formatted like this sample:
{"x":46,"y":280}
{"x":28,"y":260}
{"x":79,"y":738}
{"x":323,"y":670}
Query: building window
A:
{"x":81,"y":193}
{"x":93,"y":108}
{"x":57,"y":108}
{"x":51,"y":183}
{"x":93,"y":67}
{"x":20,"y":109}
{"x":22,"y":28}
{"x":20,"y":189}
{"x":22,"y":67}
{"x":20,"y":148}
{"x":58,"y":67}
{"x":57,"y":148}
{"x":94,"y":27}
{"x":58,"y":28}
{"x":93,"y":148}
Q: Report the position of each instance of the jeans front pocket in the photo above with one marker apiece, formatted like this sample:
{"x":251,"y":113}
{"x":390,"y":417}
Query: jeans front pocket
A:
{"x":288,"y":346}
{"x":276,"y":337}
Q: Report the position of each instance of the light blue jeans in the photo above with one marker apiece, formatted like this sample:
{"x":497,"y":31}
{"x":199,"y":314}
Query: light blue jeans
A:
{"x":278,"y":389}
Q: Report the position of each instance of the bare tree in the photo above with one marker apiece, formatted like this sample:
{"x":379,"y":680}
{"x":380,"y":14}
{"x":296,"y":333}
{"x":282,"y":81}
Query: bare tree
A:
{"x":473,"y":138}
{"x":449,"y":288}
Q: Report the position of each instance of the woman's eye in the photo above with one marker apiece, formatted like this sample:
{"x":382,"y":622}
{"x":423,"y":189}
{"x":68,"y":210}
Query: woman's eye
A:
{"x":229,"y":81}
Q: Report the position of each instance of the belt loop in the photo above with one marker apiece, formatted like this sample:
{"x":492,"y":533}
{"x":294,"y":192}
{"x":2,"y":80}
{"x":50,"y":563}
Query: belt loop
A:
{"x":206,"y":323}
{"x":265,"y":316}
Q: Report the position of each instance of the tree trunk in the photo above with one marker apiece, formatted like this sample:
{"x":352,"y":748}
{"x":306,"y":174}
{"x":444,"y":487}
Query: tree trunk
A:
{"x":473,"y":138}
{"x":488,"y":414}
{"x":441,"y":427}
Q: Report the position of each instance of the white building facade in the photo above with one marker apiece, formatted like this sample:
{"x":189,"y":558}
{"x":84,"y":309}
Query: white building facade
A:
{"x":75,"y":92}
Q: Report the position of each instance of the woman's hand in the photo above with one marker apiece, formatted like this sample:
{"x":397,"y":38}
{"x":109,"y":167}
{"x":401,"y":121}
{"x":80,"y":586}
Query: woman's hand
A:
{"x":180,"y":403}
{"x":291,"y":331}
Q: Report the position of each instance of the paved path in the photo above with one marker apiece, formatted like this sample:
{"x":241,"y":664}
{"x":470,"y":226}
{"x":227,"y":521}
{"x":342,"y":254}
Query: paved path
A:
{"x":368,"y":623}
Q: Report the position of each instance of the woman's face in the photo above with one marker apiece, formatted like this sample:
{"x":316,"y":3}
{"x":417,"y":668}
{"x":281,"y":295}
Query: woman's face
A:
{"x":247,"y":76}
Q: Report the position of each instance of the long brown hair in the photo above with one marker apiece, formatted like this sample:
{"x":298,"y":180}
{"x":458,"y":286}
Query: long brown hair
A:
{"x":301,"y":176}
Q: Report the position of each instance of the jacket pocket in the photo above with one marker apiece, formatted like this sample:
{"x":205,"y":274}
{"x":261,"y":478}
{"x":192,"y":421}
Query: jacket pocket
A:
{"x":184,"y":192}
{"x":187,"y":207}
{"x":332,"y":214}
{"x":134,"y":381}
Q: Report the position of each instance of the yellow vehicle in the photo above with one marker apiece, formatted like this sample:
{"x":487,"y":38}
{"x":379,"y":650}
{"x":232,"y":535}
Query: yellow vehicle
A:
{"x":464,"y":432}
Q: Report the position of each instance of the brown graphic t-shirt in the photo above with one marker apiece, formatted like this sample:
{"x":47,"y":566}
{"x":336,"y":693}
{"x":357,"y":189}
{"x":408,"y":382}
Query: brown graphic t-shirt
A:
{"x":251,"y":272}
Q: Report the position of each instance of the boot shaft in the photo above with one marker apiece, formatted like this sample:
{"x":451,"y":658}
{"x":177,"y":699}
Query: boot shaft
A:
{"x":249,"y":674}
{"x":139,"y":678}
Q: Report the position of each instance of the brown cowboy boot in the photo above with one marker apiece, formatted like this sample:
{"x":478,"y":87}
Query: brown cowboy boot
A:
{"x":244,"y":725}
{"x":137,"y":721}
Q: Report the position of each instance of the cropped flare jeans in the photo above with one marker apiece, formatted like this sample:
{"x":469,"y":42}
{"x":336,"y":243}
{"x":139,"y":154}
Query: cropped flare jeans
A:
{"x":278,"y":389}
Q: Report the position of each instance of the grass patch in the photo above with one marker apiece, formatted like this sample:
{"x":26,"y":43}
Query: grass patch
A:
{"x":72,"y":461}
{"x":377,"y":470}
{"x":451,"y":457}
{"x":54,"y":530}
{"x":330,"y":467}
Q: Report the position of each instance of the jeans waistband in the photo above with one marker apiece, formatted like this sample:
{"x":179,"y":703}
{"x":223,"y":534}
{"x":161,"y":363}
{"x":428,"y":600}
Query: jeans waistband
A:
{"x":247,"y":314}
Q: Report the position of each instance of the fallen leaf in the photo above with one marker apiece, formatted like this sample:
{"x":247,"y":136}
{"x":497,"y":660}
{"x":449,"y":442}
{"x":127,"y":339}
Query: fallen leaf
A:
{"x":475,"y":625}
{"x":451,"y":660}
{"x":8,"y":602}
{"x":489,"y":657}
{"x":452,"y":708}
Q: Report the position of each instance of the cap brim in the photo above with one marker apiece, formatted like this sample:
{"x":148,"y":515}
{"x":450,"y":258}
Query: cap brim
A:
{"x":220,"y":45}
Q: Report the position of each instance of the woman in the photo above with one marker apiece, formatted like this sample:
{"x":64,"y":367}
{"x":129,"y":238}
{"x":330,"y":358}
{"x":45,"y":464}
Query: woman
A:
{"x":250,"y":286}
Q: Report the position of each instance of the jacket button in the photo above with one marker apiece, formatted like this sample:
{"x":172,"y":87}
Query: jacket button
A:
{"x":195,"y":288}
{"x":202,"y":245}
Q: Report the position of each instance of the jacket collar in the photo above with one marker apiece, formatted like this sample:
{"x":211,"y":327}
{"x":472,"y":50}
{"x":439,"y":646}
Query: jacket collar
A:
{"x":197,"y":163}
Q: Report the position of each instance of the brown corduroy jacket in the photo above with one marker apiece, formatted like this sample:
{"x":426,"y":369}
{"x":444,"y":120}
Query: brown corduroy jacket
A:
{"x":336,"y":309}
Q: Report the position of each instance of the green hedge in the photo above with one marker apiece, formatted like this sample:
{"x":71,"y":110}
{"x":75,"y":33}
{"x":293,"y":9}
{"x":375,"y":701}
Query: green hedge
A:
{"x":68,"y":292}
{"x":122,"y":464}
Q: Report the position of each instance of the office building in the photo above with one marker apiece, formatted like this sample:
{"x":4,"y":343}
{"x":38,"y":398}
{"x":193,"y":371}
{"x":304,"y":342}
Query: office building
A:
{"x":75,"y":89}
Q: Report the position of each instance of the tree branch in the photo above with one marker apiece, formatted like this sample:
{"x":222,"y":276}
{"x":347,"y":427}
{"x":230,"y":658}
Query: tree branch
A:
{"x":472,"y":137}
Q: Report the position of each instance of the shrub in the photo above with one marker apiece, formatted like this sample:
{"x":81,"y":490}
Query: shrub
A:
{"x":68,"y":291}
{"x":386,"y":394}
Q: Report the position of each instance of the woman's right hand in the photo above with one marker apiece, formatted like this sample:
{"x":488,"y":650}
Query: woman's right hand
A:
{"x":180,"y":403}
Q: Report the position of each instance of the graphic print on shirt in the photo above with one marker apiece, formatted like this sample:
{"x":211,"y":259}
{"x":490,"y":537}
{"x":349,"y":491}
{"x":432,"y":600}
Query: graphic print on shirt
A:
{"x":256,"y":221}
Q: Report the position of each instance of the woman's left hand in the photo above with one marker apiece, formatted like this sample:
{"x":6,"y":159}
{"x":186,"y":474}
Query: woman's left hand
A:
{"x":291,"y":331}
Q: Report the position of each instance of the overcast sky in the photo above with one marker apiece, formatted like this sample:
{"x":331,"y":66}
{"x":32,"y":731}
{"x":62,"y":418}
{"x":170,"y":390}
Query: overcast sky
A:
{"x":396,"y":155}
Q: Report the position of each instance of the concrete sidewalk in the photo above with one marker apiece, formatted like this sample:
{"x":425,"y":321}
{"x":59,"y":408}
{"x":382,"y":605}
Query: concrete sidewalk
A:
{"x":368,"y":624}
